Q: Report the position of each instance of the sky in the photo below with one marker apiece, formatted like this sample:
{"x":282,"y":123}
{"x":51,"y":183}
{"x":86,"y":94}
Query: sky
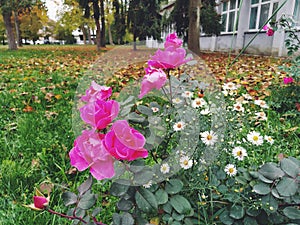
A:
{"x":53,"y":6}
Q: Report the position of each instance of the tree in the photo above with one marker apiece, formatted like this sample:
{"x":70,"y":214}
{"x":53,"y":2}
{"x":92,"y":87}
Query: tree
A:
{"x":119,"y":25}
{"x":33,"y":23}
{"x":2,"y":31}
{"x":194,"y":26}
{"x":144,"y":19}
{"x":7,"y":16}
{"x":210,"y":19}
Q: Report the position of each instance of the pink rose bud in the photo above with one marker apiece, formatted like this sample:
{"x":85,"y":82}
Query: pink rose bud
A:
{"x":288,"y":80}
{"x":96,"y":92}
{"x":154,"y":79}
{"x":125,"y":143}
{"x":40,"y":202}
{"x":173,"y":40}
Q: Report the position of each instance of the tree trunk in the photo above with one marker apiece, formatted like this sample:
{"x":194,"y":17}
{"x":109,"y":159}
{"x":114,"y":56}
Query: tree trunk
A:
{"x":110,"y":39}
{"x":84,"y":33}
{"x":194,"y":26}
{"x":89,"y":35}
{"x":9,"y":31}
{"x":102,"y":23}
{"x":98,"y":27}
{"x":18,"y":31}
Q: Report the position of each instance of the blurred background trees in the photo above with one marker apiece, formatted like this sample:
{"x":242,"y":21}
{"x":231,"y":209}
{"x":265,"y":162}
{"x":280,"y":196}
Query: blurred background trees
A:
{"x":104,"y":22}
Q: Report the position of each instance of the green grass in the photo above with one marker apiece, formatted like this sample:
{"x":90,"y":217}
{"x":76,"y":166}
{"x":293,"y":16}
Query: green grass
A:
{"x":37,"y":88}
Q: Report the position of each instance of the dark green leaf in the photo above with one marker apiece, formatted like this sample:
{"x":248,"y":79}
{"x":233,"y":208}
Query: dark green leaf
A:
{"x":174,"y":186}
{"x":161,"y":197}
{"x":292,"y":212}
{"x":180,"y":204}
{"x":96,"y":211}
{"x":118,"y":189}
{"x":124,"y":205}
{"x":69,"y":198}
{"x":123,"y":219}
{"x":145,"y":110}
{"x":133,"y":116}
{"x":85,"y":186}
{"x":262,"y":188}
{"x":271,"y":171}
{"x":167,"y":208}
{"x":249,"y":221}
{"x":225,"y":218}
{"x":87,"y":200}
{"x":237,"y":212}
{"x":287,"y":186}
{"x":143,"y":177}
{"x":146,"y":201}
{"x":290,"y":167}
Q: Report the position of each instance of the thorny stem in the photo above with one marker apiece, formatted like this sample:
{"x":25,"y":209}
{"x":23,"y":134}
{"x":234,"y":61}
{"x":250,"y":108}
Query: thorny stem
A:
{"x":72,"y":217}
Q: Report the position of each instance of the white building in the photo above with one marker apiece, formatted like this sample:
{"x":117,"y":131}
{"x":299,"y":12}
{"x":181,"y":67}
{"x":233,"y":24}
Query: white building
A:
{"x":253,"y":14}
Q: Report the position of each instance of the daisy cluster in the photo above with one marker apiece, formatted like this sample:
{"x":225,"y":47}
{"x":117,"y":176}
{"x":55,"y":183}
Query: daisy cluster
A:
{"x":246,"y":113}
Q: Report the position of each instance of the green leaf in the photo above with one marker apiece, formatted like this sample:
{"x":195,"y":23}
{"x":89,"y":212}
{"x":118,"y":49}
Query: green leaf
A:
{"x":287,"y":186}
{"x":118,"y":189}
{"x":290,"y":167}
{"x":241,"y":180}
{"x":167,"y":208}
{"x":133,"y":116}
{"x":225,"y":218}
{"x":292,"y":213}
{"x":271,"y":171}
{"x":69,"y":198}
{"x":180,"y":204}
{"x":96,"y":211}
{"x":253,"y":212}
{"x":87,"y":200}
{"x":173,"y":186}
{"x":262,"y":188}
{"x":85,"y":186}
{"x":123,"y":219}
{"x":143,"y":177}
{"x":124,"y":205}
{"x":177,"y":216}
{"x":249,"y":221}
{"x":264,"y":179}
{"x":237,"y":212}
{"x":146,"y":201}
{"x":161,"y":197}
{"x":145,"y":110}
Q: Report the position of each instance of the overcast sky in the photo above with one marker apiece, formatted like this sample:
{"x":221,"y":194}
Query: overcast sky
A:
{"x":53,"y":6}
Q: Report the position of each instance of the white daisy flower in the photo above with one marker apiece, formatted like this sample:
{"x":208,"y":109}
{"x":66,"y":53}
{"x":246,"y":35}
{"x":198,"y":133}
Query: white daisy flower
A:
{"x":261,"y":103}
{"x":230,"y":169}
{"x":239,"y":153}
{"x":205,"y":111}
{"x":247,"y":96}
{"x":255,"y":138}
{"x":209,"y":137}
{"x":198,"y":102}
{"x":178,"y":126}
{"x":185,"y":162}
{"x":165,"y":168}
{"x":155,"y":109}
{"x":269,"y":139}
{"x":225,"y":93}
{"x":187,"y":94}
{"x":148,"y":185}
{"x":176,"y":100}
{"x":229,"y":86}
{"x":260,"y":116}
{"x":238,"y":107}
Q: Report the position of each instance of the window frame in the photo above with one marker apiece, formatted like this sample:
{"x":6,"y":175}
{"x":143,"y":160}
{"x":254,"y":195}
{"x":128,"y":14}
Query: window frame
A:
{"x":259,"y":5}
{"x":227,"y":12}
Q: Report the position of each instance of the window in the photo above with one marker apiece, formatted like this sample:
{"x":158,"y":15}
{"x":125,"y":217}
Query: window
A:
{"x":260,"y":12}
{"x":229,"y":14}
{"x":297,"y":12}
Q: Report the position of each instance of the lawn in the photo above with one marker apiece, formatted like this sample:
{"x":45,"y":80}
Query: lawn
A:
{"x":37,"y":90}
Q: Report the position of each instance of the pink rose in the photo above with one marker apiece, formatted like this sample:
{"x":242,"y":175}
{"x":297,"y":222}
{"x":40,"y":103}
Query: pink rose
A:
{"x":154,"y":79}
{"x":96,"y":92}
{"x":270,"y":31}
{"x":125,"y":143}
{"x":170,"y":58}
{"x":288,"y":80}
{"x":99,"y":113}
{"x":89,"y":152}
{"x":40,"y":202}
{"x":173,"y":40}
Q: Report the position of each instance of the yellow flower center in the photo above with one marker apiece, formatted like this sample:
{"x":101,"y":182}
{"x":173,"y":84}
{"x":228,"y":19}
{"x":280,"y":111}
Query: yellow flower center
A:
{"x":231,"y":170}
{"x":255,"y":138}
{"x":209,"y":137}
{"x":239,"y":153}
